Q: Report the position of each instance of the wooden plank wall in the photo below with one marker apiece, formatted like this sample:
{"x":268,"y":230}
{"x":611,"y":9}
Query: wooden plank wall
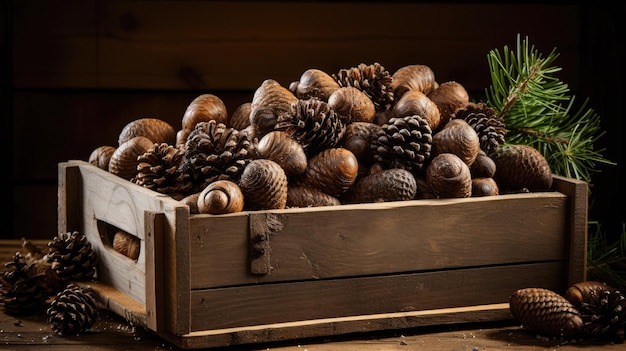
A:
{"x":77,"y":73}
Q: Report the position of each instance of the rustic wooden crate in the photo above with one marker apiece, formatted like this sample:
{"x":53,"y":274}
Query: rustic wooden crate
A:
{"x":252,"y":277}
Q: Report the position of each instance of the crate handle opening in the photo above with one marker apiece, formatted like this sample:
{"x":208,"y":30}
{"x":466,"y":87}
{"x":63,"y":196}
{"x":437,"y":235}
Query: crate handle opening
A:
{"x":119,"y":241}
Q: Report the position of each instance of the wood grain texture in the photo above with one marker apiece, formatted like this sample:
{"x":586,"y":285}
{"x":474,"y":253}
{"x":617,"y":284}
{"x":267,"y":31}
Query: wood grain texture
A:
{"x":365,"y":239}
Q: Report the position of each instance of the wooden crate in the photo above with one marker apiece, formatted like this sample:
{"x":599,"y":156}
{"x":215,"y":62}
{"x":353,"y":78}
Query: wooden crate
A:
{"x":253,"y":277}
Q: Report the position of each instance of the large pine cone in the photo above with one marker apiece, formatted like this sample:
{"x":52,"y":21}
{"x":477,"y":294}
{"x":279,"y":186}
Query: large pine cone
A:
{"x":314,"y":124}
{"x":490,"y":128}
{"x":374,"y":80}
{"x":404,"y":142}
{"x":23,"y":288}
{"x":546,"y":312}
{"x":603,"y":309}
{"x":215,"y":152}
{"x":72,"y":256}
{"x":159,"y":170}
{"x":521,"y":168}
{"x":73,"y":311}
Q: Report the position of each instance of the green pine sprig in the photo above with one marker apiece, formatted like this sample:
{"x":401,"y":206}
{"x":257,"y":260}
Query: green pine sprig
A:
{"x":538,"y":110}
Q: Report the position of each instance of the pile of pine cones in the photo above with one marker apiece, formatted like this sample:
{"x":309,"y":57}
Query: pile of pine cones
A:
{"x":359,"y":135}
{"x":588,"y":309}
{"x":40,"y":281}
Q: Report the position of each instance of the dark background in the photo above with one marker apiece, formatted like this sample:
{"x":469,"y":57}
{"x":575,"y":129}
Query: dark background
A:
{"x":75,"y":72}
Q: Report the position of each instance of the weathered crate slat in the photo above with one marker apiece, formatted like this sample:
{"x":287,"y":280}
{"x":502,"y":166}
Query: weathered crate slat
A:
{"x":199,"y":282}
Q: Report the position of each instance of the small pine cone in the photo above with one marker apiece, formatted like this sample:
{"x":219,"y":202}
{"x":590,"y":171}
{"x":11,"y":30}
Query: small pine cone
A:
{"x":23,"y":288}
{"x":159,"y":170}
{"x":603,"y":309}
{"x":546,"y":312}
{"x":215,"y":152}
{"x":486,"y":122}
{"x":386,"y":185}
{"x":403,"y":142}
{"x":314,"y":124}
{"x":374,"y":80}
{"x":264,"y":185}
{"x":73,"y":311}
{"x":72,"y":256}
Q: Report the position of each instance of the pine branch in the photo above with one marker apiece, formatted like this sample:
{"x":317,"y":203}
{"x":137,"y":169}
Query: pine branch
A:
{"x":537,"y":110}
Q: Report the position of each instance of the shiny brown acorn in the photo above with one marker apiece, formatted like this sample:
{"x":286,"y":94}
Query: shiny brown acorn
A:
{"x":101,"y":156}
{"x":483,"y":166}
{"x":459,"y":138}
{"x":449,"y":96}
{"x":394,"y":184}
{"x":352,"y":104}
{"x":332,"y":170}
{"x":546,"y":312}
{"x":124,"y":162}
{"x":484,"y":187}
{"x":314,"y":83}
{"x":264,"y":185}
{"x":204,"y":108}
{"x":358,"y":138}
{"x":220,"y":197}
{"x":414,"y":102}
{"x":449,"y":177}
{"x":305,"y":196}
{"x":281,"y":148}
{"x":157,"y":130}
{"x":127,"y":244}
{"x":521,"y":167}
{"x":413,"y":77}
{"x":269,"y":101}
{"x":240,"y":119}
{"x":191,"y":200}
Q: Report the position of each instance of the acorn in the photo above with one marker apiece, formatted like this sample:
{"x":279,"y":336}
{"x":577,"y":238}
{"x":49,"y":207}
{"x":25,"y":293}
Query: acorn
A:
{"x":413,"y":77}
{"x":459,"y":138}
{"x":332,"y":170}
{"x":127,"y":244}
{"x":449,"y":96}
{"x":414,"y":102}
{"x":449,"y":177}
{"x":220,"y":197}
{"x":352,"y":104}
{"x":101,"y":156}
{"x":281,"y":148}
{"x":204,"y":108}
{"x":484,"y":187}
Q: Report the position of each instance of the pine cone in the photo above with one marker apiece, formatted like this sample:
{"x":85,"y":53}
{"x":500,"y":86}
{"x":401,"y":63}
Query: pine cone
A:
{"x":73,"y":311}
{"x":374,"y":80}
{"x":404,"y":143}
{"x":72,"y":257}
{"x":159,"y":170}
{"x":546,"y":312}
{"x":23,"y":288}
{"x":485,"y":121}
{"x":603,"y":309}
{"x":215,"y":152}
{"x":314,"y":124}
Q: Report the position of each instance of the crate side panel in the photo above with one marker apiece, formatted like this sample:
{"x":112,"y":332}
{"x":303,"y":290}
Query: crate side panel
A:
{"x":371,"y":239}
{"x":109,"y":199}
{"x":297,"y":301}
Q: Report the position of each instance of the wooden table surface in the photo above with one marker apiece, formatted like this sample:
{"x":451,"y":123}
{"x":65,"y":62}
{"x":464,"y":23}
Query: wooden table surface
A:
{"x":112,"y":332}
